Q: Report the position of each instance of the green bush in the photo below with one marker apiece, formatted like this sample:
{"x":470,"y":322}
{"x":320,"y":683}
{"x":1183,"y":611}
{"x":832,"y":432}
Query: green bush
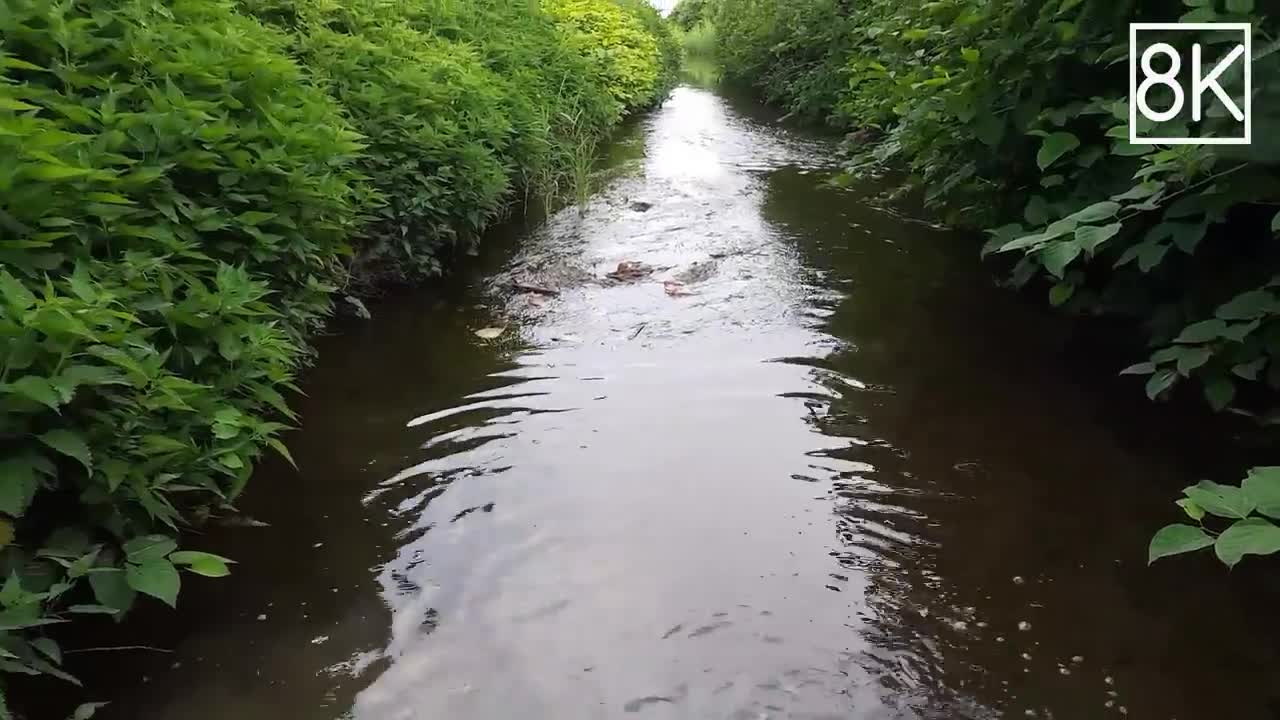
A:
{"x":176,"y":197}
{"x":1013,"y":116}
{"x":184,"y":186}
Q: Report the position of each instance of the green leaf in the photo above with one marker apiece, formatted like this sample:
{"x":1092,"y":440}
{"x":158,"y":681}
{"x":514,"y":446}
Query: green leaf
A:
{"x":1142,"y":368}
{"x":147,"y":548}
{"x":1175,"y":540}
{"x":1055,"y":146}
{"x":36,"y":388}
{"x":1275,"y":223}
{"x":1243,"y":7}
{"x":1219,"y":391}
{"x":14,"y":292}
{"x":1203,"y":331}
{"x":158,"y":578}
{"x":18,"y":485}
{"x":1159,"y":382}
{"x":71,"y":445}
{"x":1191,"y":358}
{"x":1091,"y":236}
{"x":1253,"y":536}
{"x":87,"y":710}
{"x":112,"y":590}
{"x":1104,"y":210}
{"x":1189,"y":506}
{"x":1221,"y":500}
{"x":1058,"y":255}
{"x":1248,"y":306}
{"x":1061,"y":293}
{"x":202,"y":563}
{"x":1262,"y":487}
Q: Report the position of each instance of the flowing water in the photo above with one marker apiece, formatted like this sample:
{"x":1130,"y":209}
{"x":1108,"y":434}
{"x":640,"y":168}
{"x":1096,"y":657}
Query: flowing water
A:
{"x":829,"y":471}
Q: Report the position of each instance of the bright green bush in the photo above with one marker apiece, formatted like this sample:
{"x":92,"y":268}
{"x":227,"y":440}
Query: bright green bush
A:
{"x":184,"y":186}
{"x":175,"y":197}
{"x":628,"y":60}
{"x":433,"y":120}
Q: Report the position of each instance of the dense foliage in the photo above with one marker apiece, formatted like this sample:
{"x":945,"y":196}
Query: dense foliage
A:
{"x":185,"y":186}
{"x":1013,"y":116}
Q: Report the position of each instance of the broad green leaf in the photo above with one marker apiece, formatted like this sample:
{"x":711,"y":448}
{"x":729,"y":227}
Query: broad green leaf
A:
{"x":147,"y":548}
{"x":85,"y":711}
{"x":13,"y":292}
{"x":202,"y":563}
{"x":1219,"y":392}
{"x":1061,"y":293}
{"x":1193,"y":511}
{"x":1091,"y":236}
{"x":36,"y":388}
{"x":1104,"y":210}
{"x":1142,"y":368}
{"x":158,"y":578}
{"x":1175,"y":540}
{"x":1160,"y":381}
{"x":1054,"y":147}
{"x":1191,"y":358}
{"x":1253,"y":536}
{"x":1221,"y":500}
{"x":112,"y":590}
{"x":18,"y":484}
{"x":1262,"y":487}
{"x":1248,"y":306}
{"x":70,"y":444}
{"x":1275,"y":223}
{"x":1058,"y":255}
{"x":1244,"y":7}
{"x":1203,"y":331}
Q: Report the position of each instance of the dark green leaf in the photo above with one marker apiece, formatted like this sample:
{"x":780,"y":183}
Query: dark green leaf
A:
{"x":1058,"y":255}
{"x":1203,"y":331}
{"x":1175,"y":540}
{"x":71,"y":445}
{"x":158,"y":578}
{"x":1160,"y":381}
{"x":112,"y":590}
{"x":1221,"y":500}
{"x":18,"y":484}
{"x":1262,"y":487}
{"x":1091,"y":236}
{"x":1219,"y":391}
{"x":202,"y":563}
{"x":1254,"y":536}
{"x":147,"y":548}
{"x":1055,"y":146}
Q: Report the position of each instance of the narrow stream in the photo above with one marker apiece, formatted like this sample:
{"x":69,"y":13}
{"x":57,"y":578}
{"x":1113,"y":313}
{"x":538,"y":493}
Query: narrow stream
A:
{"x":831,"y":473}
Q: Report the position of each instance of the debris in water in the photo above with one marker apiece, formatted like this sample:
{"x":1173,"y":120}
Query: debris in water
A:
{"x":675,"y":288}
{"x":1077,"y":658}
{"x":263,"y":616}
{"x":1109,"y":680}
{"x":960,"y":625}
{"x":629,"y":270}
{"x":1063,"y":671}
{"x":1017,"y":580}
{"x":490,"y":333}
{"x":537,"y":289}
{"x":1026,"y":656}
{"x":1024,"y":626}
{"x":641,"y":206}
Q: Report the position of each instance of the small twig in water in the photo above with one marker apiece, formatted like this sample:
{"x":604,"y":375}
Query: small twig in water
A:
{"x":117,"y":647}
{"x":639,"y":330}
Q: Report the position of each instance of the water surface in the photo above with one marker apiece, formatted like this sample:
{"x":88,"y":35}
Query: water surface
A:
{"x":836,"y":474}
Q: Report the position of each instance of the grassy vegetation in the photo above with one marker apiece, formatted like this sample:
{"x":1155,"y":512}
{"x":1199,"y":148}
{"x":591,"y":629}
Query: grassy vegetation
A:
{"x":186,"y":187}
